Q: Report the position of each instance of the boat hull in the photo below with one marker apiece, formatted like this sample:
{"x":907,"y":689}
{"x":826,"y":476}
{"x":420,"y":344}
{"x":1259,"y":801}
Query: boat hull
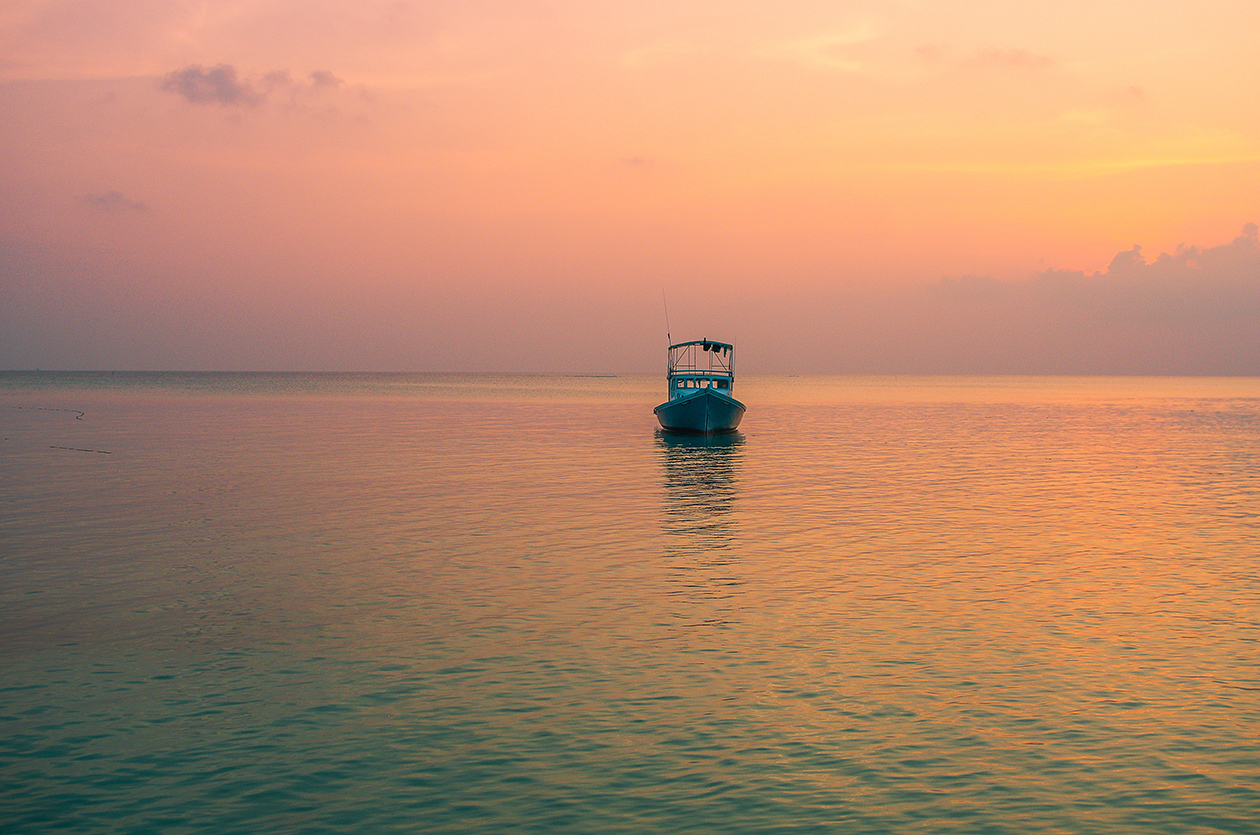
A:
{"x":705,"y":412}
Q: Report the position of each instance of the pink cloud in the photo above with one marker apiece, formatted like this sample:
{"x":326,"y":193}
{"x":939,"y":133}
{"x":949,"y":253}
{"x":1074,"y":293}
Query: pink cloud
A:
{"x":222,"y":85}
{"x":113,"y":201}
{"x":216,"y":85}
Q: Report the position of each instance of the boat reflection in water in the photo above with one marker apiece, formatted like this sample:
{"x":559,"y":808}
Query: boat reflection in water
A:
{"x":700,"y":523}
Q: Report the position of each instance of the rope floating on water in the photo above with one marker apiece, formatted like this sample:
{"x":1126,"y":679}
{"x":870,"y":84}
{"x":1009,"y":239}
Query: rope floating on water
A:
{"x":78,"y":415}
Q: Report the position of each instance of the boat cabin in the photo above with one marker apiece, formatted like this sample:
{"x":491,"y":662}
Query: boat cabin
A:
{"x":700,"y":364}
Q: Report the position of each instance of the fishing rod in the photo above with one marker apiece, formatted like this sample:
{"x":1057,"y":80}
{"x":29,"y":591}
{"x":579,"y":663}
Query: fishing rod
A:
{"x":664,"y":302}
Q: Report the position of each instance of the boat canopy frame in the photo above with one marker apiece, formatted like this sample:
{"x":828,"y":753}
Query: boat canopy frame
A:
{"x":702,"y":357}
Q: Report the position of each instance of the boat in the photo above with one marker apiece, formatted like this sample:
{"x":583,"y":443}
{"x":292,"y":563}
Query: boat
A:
{"x":700,"y":379}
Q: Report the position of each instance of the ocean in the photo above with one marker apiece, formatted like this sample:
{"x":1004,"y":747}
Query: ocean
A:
{"x":507,"y":603}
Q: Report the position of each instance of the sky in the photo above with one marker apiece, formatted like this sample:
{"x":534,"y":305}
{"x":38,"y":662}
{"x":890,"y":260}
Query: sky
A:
{"x":521,"y":185}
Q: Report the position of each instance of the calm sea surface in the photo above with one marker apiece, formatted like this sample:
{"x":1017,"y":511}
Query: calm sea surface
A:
{"x":478,"y":603}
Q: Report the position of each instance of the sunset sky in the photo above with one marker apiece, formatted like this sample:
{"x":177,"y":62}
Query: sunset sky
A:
{"x":875,"y":186}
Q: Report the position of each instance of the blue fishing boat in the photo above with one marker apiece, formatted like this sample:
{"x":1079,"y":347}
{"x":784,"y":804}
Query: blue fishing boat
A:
{"x":700,"y":377}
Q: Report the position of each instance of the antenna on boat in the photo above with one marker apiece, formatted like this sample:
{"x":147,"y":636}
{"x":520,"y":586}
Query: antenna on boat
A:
{"x":667,"y":336}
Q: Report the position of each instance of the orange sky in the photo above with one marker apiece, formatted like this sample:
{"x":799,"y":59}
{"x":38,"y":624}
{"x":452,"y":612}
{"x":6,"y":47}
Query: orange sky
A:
{"x":281,"y":185}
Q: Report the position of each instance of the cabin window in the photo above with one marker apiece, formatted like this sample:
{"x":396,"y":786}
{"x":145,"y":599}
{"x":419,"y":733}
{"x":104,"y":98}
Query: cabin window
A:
{"x":721,"y":384}
{"x":682,"y":384}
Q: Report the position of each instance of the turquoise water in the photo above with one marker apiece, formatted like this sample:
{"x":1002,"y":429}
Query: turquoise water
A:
{"x":450,"y":603}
